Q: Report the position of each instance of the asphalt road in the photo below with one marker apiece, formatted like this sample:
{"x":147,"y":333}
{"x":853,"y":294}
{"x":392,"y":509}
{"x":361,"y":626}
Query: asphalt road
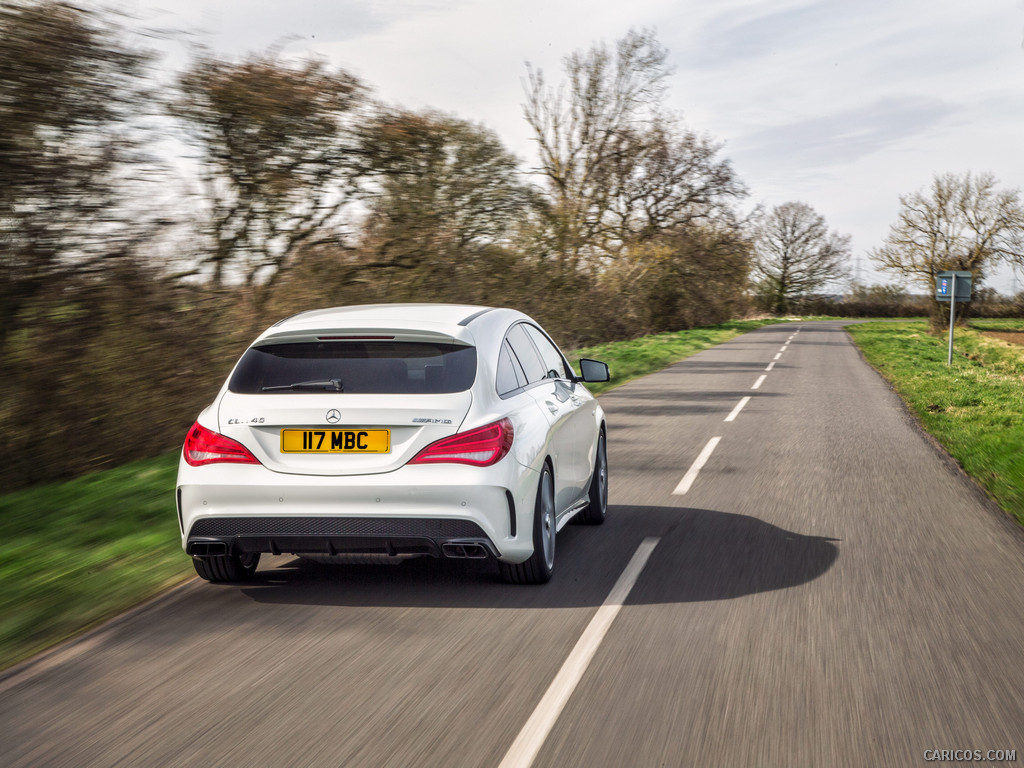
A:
{"x":829,"y":590}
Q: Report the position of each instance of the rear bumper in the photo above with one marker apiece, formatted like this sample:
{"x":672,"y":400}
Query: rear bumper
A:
{"x":393,"y":537}
{"x":434,"y":510}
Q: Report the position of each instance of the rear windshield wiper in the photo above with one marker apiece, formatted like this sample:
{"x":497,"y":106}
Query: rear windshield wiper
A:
{"x":333,"y":385}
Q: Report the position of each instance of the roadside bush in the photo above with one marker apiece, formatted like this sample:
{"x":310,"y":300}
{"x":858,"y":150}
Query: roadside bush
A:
{"x":868,"y":301}
{"x":693,"y":278}
{"x":894,"y":301}
{"x":107,"y":370}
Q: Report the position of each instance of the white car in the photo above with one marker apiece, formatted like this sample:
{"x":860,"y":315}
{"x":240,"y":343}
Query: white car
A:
{"x":390,"y":431}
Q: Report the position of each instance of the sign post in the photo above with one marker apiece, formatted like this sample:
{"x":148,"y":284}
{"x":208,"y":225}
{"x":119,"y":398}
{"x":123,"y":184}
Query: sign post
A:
{"x":952,"y":286}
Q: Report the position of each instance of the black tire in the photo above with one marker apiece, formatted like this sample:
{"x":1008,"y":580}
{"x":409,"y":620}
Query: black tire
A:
{"x":541,"y":564}
{"x":227,"y":567}
{"x":596,"y":511}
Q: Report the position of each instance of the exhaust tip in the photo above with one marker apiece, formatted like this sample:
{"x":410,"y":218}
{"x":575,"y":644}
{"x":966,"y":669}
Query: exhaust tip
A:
{"x":468,"y":550}
{"x":207,"y":548}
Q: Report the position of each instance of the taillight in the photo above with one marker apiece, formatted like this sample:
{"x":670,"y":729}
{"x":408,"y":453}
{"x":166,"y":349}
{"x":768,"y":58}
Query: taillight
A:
{"x":204,"y":446}
{"x":480,"y":447}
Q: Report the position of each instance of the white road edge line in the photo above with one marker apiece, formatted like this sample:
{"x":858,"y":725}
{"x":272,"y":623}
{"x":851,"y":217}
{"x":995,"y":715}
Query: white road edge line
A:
{"x":736,"y":411}
{"x":531,"y":738}
{"x":760,"y":381}
{"x":695,"y":468}
{"x":770,"y":365}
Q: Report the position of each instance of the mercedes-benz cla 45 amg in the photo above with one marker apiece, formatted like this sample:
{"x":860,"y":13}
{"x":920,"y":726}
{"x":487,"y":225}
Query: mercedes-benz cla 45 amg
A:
{"x":393,"y":431}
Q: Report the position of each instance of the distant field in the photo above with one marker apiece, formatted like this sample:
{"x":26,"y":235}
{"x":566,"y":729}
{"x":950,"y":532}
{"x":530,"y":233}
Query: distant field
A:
{"x":998,"y":324}
{"x":974,"y":408}
{"x":1005,"y":330}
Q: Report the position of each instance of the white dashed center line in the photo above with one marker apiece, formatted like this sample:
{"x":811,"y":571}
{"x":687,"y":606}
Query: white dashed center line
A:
{"x":736,"y":411}
{"x":694,"y":470}
{"x":770,"y":365}
{"x":777,"y":356}
{"x":760,"y":381}
{"x":524,"y":749}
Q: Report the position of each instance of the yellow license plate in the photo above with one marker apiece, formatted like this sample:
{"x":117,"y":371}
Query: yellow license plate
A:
{"x":335,"y":441}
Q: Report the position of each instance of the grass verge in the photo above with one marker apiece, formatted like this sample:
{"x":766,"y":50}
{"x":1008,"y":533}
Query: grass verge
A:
{"x":74,"y":554}
{"x":973,"y":408}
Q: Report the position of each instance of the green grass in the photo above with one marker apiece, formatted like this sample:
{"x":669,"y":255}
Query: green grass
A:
{"x":631,"y":359}
{"x":973,"y":408}
{"x":74,"y":554}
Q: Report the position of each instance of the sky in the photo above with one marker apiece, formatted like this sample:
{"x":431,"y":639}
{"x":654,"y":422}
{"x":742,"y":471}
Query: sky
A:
{"x":842,"y":105}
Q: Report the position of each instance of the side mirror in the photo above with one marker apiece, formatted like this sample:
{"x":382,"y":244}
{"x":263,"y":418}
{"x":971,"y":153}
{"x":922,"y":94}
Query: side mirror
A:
{"x":593,"y":371}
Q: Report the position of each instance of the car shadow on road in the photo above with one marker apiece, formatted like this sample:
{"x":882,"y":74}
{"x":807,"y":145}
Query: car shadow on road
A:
{"x":713,"y":555}
{"x":702,"y":555}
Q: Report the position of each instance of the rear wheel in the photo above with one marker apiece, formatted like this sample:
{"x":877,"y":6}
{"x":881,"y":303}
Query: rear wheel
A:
{"x":540,"y":566}
{"x":595,"y":512}
{"x":227,"y":567}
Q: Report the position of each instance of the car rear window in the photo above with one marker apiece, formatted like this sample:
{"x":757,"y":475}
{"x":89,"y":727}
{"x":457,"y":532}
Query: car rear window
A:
{"x":368,"y":367}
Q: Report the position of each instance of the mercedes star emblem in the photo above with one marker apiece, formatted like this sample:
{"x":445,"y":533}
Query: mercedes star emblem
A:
{"x":333,"y":416}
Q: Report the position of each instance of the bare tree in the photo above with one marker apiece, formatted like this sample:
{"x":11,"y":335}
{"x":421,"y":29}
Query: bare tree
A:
{"x":675,"y":180}
{"x":960,"y":223}
{"x":276,"y":154}
{"x":618,"y":166}
{"x":444,"y":198}
{"x":441,"y":178}
{"x":794,"y":253}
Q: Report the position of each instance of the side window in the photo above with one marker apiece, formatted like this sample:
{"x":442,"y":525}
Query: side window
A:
{"x":510,"y":375}
{"x":526,"y":353}
{"x":554,"y":365}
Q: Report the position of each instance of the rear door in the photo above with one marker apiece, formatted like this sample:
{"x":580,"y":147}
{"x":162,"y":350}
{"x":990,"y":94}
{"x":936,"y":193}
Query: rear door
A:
{"x":579,"y":424}
{"x":555,"y":405}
